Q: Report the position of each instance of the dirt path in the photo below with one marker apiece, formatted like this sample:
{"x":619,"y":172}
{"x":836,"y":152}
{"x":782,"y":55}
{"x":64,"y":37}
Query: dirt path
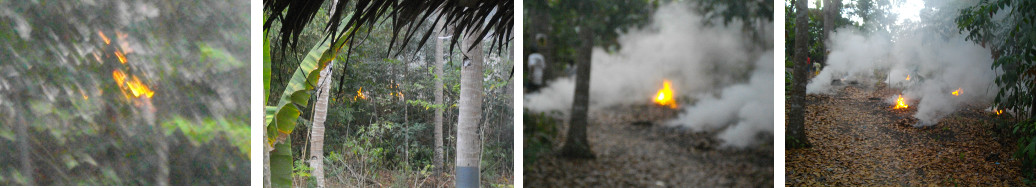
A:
{"x":634,"y":153}
{"x":858,"y":140}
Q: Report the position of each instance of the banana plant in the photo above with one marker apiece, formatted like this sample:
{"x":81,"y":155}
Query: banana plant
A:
{"x":280,"y":119}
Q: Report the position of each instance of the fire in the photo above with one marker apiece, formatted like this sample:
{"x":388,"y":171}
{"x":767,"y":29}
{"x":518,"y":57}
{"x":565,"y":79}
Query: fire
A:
{"x":106,"y":40}
{"x":134,"y":86}
{"x":665,"y":95}
{"x":122,"y":57}
{"x":998,"y":112}
{"x":908,"y":77}
{"x":359,"y":93}
{"x":900,"y":104}
{"x":956,"y":92}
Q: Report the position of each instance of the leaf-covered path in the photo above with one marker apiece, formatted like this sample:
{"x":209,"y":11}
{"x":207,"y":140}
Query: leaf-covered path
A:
{"x":633,"y":150}
{"x":859,"y":140}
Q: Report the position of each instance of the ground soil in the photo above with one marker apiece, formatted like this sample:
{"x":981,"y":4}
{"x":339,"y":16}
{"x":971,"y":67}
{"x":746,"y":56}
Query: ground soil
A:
{"x":634,"y":149}
{"x":859,"y":140}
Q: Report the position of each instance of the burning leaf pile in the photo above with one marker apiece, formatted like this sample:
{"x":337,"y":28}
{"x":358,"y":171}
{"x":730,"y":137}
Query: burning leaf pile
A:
{"x":665,"y":95}
{"x":900,"y":103}
{"x":856,"y":142}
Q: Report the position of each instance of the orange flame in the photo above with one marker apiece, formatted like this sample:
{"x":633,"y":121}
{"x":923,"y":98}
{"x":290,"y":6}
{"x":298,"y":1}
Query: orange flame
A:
{"x":908,"y":77}
{"x":900,"y":104}
{"x":956,"y":92}
{"x":359,"y":93}
{"x":122,"y":57}
{"x":665,"y":95}
{"x":134,"y":86}
{"x":106,"y":40}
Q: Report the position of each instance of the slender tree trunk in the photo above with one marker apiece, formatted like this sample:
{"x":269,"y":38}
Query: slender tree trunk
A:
{"x":24,"y":150}
{"x":796,"y":120}
{"x":316,"y":146}
{"x":266,"y":159}
{"x":540,"y":24}
{"x":438,"y":160}
{"x":576,"y":144}
{"x":468,"y":149}
{"x":159,"y":142}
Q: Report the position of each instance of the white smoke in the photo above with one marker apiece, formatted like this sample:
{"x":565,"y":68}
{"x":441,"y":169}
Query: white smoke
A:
{"x":937,"y":63}
{"x":741,"y":110}
{"x":712,"y":63}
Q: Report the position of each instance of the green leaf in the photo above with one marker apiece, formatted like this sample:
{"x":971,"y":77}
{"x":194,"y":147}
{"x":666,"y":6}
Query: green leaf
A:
{"x":280,"y":164}
{"x":283,"y":116}
{"x":266,"y":66}
{"x":7,"y":134}
{"x":69,"y":161}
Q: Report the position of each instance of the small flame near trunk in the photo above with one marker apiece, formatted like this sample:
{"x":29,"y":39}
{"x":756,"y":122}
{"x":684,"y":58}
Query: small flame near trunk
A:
{"x":900,"y":103}
{"x":956,"y":92}
{"x":908,"y":77}
{"x":665,"y":95}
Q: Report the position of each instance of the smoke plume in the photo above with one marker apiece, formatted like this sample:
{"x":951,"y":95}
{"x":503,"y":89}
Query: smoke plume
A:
{"x":938,"y":64}
{"x":717,"y":65}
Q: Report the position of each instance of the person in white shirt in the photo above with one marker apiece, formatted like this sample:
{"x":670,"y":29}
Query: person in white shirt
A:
{"x":536,"y":65}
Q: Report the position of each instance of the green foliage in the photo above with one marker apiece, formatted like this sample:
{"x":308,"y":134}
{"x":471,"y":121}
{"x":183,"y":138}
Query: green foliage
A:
{"x":301,"y":169}
{"x":540,"y":131}
{"x":1026,"y":144}
{"x":221,"y":59}
{"x":816,"y":45}
{"x":236,"y":131}
{"x":266,"y":65}
{"x":1006,"y":27}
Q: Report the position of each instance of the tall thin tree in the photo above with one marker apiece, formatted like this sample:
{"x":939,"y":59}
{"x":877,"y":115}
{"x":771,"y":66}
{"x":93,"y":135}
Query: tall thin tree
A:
{"x":438,"y":159}
{"x":468,"y":148}
{"x":316,"y":142}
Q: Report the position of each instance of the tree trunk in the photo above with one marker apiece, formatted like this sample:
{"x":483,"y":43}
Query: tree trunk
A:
{"x":576,"y":145}
{"x":24,"y":150}
{"x":796,"y":120}
{"x":829,"y":22}
{"x":438,"y":160}
{"x":316,"y":142}
{"x":266,"y":159}
{"x":158,"y":141}
{"x":468,"y":149}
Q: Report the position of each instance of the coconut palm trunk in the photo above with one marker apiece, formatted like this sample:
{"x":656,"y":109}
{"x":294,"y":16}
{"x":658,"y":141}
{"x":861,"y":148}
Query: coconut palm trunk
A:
{"x":468,"y":149}
{"x":438,"y":160}
{"x":316,"y":142}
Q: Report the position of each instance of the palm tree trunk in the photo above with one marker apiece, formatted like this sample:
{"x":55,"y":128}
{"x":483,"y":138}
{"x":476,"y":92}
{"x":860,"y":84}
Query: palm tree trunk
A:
{"x":468,"y":149}
{"x":796,"y":113}
{"x":438,"y":160}
{"x":576,"y":145}
{"x":316,"y":143}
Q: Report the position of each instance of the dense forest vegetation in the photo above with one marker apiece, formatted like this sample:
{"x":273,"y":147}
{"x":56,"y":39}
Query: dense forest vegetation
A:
{"x":124,"y":93}
{"x":381,"y":106}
